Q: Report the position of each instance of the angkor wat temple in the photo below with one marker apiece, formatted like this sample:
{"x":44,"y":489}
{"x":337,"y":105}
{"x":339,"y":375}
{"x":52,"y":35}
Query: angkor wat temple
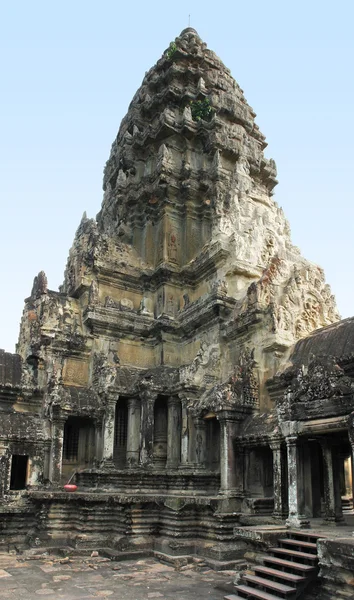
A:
{"x":192,"y":375}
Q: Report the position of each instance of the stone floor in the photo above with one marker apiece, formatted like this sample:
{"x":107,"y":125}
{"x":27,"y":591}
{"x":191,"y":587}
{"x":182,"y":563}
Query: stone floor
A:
{"x":95,"y":577}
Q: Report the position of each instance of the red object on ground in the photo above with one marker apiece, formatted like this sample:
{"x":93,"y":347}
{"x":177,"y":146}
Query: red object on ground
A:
{"x":70,"y":487}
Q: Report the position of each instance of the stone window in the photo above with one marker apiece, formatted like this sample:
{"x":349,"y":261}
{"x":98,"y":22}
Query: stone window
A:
{"x":121,"y":431}
{"x":18,"y":477}
{"x":71,"y":441}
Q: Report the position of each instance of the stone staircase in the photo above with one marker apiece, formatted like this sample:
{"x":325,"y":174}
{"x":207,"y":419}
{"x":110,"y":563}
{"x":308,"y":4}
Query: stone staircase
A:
{"x":289,"y":569}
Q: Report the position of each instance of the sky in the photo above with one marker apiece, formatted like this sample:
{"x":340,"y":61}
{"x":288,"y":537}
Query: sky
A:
{"x":68,"y":71}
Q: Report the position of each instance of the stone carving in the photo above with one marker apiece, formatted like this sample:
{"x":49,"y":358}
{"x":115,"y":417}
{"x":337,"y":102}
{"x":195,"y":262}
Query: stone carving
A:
{"x":172,"y":247}
{"x":206,"y":360}
{"x":75,"y":372}
{"x":324,"y":378}
{"x":93,"y":293}
{"x":104,"y":370}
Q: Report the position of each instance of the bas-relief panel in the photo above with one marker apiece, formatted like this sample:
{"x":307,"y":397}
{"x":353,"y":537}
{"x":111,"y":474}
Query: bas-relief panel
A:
{"x":75,"y":372}
{"x":117,"y":294}
{"x":136,"y":354}
{"x":171,"y":354}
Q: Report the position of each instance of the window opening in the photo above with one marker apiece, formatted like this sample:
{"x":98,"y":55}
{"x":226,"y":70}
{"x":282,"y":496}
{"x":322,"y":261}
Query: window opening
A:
{"x":18,"y":472}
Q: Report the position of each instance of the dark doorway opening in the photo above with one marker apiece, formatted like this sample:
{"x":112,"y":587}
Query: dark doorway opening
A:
{"x":18,"y":478}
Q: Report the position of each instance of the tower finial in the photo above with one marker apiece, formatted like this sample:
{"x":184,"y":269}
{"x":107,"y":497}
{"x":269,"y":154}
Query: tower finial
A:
{"x":189,"y":20}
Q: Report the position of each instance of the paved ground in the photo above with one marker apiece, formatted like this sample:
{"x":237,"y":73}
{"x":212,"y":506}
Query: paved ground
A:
{"x":93,"y":578}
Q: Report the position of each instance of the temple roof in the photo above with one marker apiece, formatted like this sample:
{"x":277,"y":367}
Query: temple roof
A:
{"x":335,"y":340}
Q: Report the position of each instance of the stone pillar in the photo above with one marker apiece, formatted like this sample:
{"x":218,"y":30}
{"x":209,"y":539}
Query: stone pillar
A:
{"x":108,"y":431}
{"x":4,"y":468}
{"x":228,"y":478}
{"x":98,"y":442}
{"x":200,"y":442}
{"x":246,"y":468}
{"x":35,"y":467}
{"x":184,"y":437}
{"x":296,"y":517}
{"x":57,"y":451}
{"x":348,"y":476}
{"x":147,"y":427}
{"x":173,"y":432}
{"x":133,"y":435}
{"x":278,"y":479}
{"x":332,"y":497}
{"x":351,"y":440}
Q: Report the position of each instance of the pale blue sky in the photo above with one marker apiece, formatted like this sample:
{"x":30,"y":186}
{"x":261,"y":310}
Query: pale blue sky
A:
{"x":70,"y":69}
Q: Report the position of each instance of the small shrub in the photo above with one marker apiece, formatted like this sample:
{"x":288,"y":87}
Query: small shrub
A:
{"x":201,"y":109}
{"x":171,"y":51}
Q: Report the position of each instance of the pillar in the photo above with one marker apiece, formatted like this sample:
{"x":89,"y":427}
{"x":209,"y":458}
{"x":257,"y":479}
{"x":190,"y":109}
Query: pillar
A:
{"x":278,"y":480}
{"x":173,"y":432}
{"x":296,"y":517}
{"x":147,"y":428}
{"x":4,"y":468}
{"x":199,"y":442}
{"x":246,"y":468}
{"x":184,"y":437}
{"x":133,"y":434}
{"x":332,"y":496}
{"x":348,"y":476}
{"x":108,"y":430}
{"x":98,"y":442}
{"x":35,"y":467}
{"x":228,"y":478}
{"x":57,"y":451}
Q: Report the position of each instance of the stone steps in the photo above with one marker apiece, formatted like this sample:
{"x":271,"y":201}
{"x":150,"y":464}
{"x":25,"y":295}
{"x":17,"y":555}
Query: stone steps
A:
{"x":292,"y":565}
{"x":312,"y":558}
{"x":282,"y":575}
{"x":285,"y":574}
{"x":298,"y":543}
{"x":270,"y":584}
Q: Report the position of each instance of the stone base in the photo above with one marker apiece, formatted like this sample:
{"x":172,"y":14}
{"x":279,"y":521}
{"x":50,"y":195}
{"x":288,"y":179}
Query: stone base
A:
{"x":298,"y":522}
{"x":334,"y":521}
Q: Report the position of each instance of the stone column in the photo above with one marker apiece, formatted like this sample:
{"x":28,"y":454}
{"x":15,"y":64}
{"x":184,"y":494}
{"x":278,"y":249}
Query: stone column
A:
{"x":4,"y":468}
{"x":295,"y":486}
{"x":184,"y":437}
{"x":228,"y":478}
{"x":246,"y":468}
{"x":348,"y":476}
{"x":278,"y":479}
{"x":98,"y":441}
{"x":108,"y":430}
{"x":36,"y":467}
{"x":173,"y":432}
{"x":133,"y":434}
{"x":333,"y":509}
{"x":57,"y":451}
{"x":200,"y":442}
{"x":147,"y":428}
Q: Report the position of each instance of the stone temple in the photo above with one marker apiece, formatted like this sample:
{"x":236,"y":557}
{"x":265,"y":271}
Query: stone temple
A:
{"x":192,"y":376}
